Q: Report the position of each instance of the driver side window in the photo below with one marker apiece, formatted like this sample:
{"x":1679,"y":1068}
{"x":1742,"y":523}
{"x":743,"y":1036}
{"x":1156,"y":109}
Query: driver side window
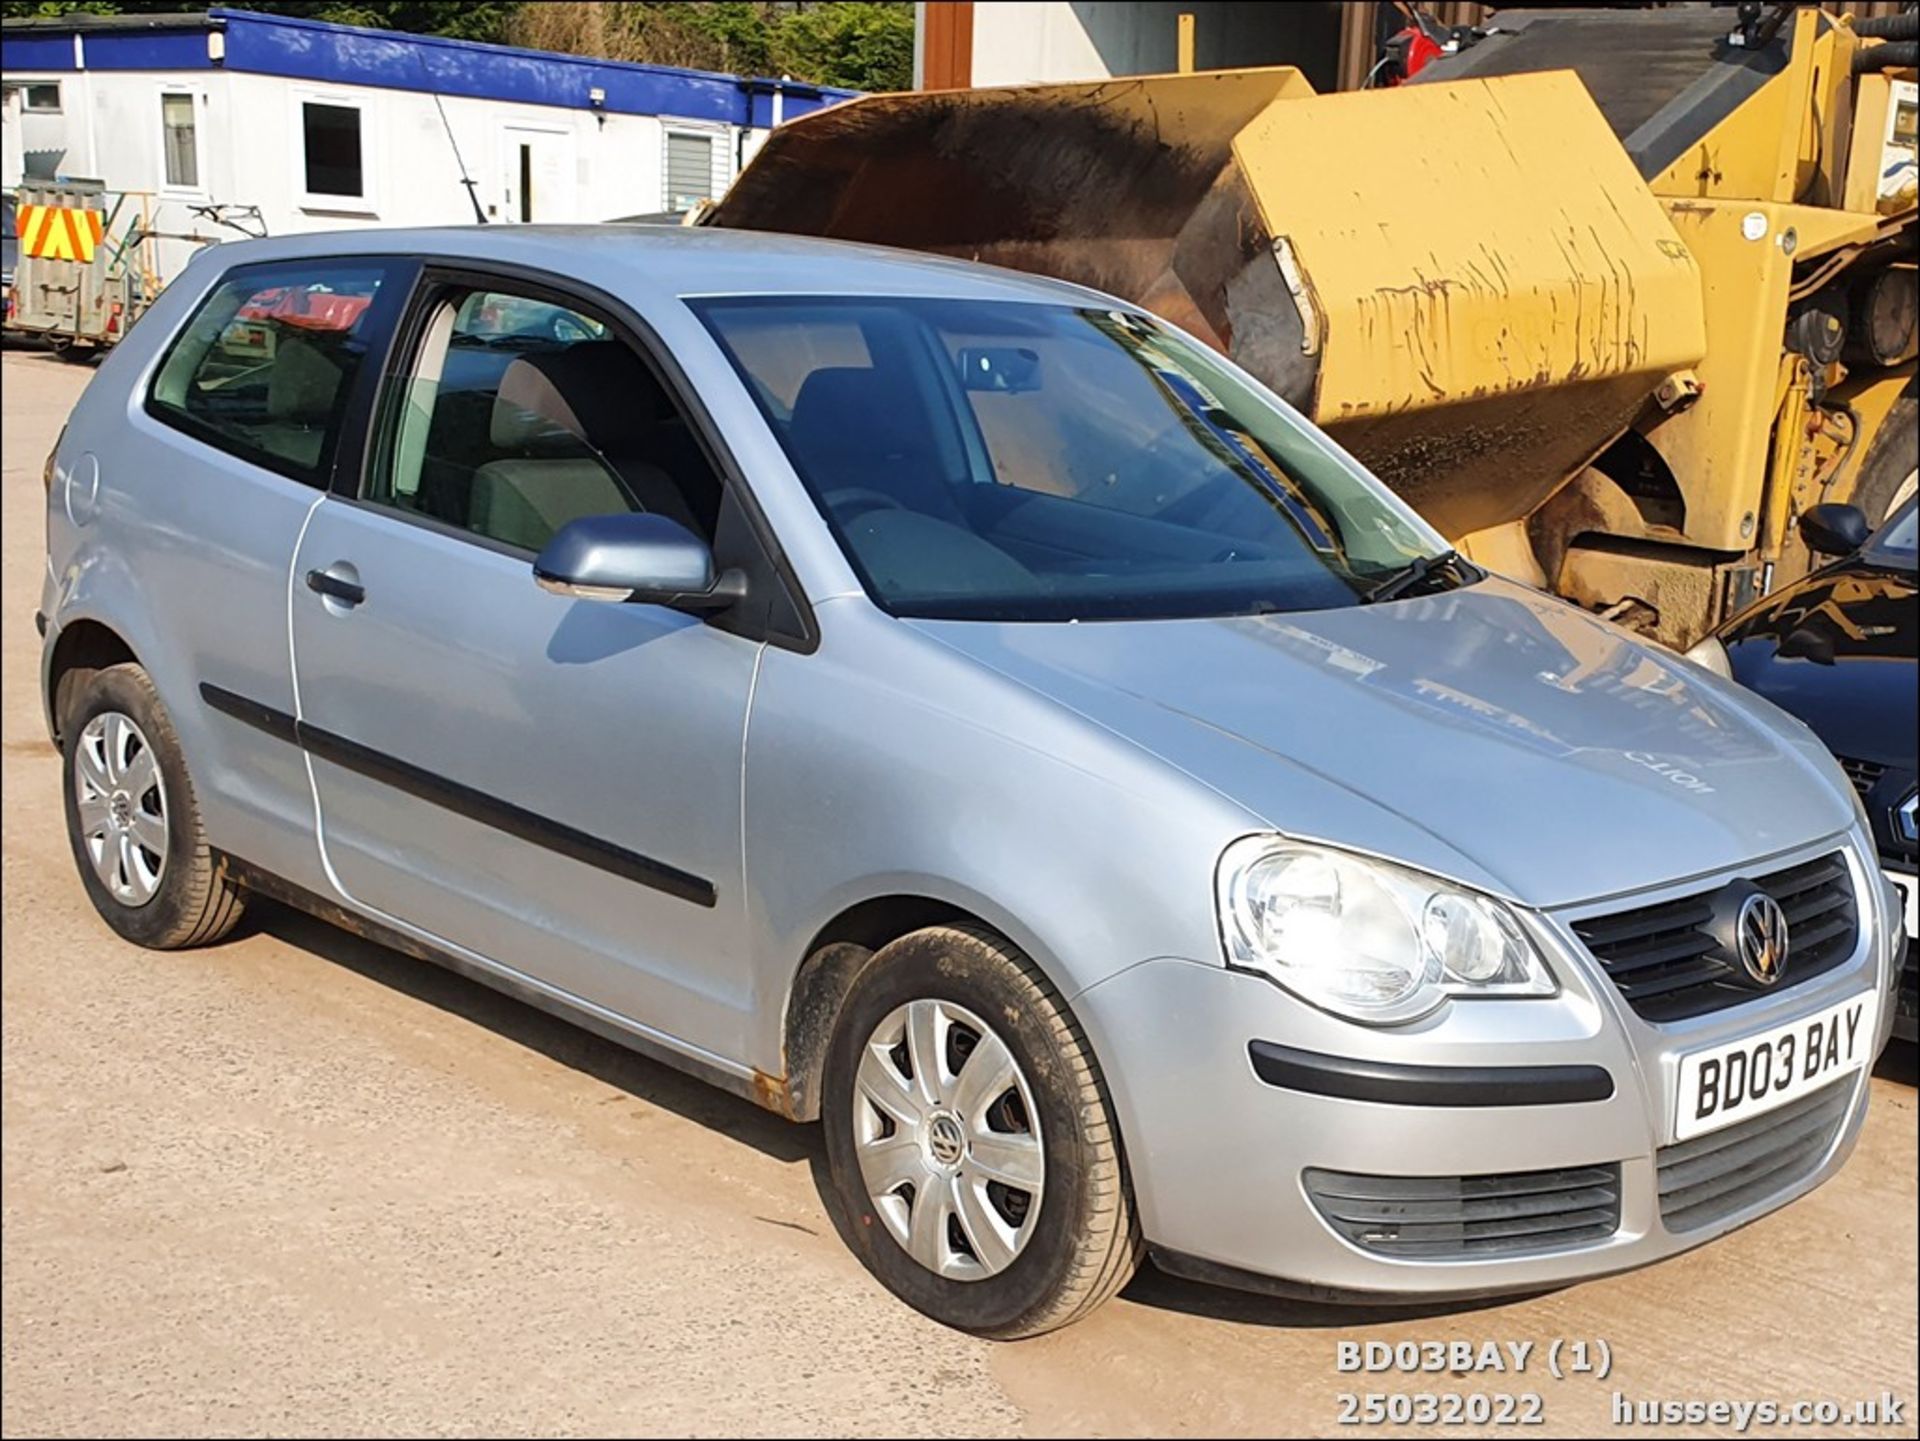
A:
{"x":520,"y":414}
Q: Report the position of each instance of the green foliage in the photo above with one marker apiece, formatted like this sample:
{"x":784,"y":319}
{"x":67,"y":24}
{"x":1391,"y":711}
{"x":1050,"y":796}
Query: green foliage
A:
{"x":474,"y":20}
{"x":471,"y":20}
{"x":739,"y":30}
{"x":477,"y":20}
{"x":861,"y":44}
{"x":54,"y":9}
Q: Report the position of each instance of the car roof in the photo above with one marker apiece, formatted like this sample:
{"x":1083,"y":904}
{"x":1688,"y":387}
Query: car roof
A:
{"x":680,"y":261}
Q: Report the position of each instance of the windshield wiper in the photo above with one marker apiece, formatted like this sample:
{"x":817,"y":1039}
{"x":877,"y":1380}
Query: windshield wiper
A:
{"x":1416,"y":572}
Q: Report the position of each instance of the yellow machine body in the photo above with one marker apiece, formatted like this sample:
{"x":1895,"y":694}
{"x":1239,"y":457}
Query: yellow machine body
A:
{"x":1484,"y":327}
{"x":1576,"y":366}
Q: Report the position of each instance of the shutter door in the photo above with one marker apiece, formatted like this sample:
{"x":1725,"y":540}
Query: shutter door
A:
{"x":689,"y":170}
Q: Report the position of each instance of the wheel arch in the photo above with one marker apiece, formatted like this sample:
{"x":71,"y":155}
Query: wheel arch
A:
{"x":841,"y":948}
{"x":83,"y":647}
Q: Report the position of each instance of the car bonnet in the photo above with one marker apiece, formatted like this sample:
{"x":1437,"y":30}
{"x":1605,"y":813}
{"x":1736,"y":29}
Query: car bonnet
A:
{"x":1557,"y":758}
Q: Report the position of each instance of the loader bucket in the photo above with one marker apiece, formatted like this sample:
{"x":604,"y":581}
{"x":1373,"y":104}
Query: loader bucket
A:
{"x":1101,"y":183}
{"x":1468,"y":284}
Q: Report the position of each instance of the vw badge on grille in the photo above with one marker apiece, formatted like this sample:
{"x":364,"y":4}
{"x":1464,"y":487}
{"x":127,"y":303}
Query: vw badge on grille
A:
{"x":1762,"y":935}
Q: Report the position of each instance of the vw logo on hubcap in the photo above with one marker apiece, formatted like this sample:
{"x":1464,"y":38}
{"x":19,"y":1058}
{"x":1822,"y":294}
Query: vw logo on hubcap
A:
{"x":946,"y":1142}
{"x":1762,"y":933}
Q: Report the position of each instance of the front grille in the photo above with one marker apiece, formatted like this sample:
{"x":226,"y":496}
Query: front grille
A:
{"x":1669,"y":965}
{"x":1865,"y":775}
{"x":1436,"y":1217}
{"x":1712,"y":1176}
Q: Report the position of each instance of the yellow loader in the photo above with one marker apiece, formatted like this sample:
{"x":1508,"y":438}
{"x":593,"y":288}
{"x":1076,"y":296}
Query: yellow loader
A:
{"x":1611,"y":297}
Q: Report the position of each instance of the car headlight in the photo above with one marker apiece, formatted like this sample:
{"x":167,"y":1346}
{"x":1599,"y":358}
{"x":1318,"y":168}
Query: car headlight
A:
{"x":1364,"y":939}
{"x":1711,"y":655}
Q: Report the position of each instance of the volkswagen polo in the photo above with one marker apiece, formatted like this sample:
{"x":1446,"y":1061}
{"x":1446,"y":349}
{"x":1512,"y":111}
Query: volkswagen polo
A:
{"x":959,"y":708}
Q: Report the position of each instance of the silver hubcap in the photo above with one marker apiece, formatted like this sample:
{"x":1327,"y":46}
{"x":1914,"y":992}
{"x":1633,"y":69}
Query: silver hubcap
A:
{"x":949,"y":1150}
{"x":122,"y":806}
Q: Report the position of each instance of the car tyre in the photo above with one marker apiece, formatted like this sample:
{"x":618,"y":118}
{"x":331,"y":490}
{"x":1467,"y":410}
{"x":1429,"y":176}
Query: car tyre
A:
{"x":1083,"y":1242}
{"x":132,"y":819}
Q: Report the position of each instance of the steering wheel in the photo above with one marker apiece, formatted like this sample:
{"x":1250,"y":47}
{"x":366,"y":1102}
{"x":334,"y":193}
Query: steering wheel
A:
{"x":852,"y":501}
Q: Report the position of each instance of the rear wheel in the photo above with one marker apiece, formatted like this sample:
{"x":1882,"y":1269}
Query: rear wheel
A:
{"x":975,"y":1163}
{"x":131,"y":817}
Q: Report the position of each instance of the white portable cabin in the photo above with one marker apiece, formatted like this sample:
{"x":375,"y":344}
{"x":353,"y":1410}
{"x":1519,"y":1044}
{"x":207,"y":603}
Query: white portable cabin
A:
{"x":320,"y":126}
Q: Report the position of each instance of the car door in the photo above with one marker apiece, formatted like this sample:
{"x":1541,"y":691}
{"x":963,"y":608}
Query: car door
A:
{"x":551,"y":784}
{"x":202,"y":491}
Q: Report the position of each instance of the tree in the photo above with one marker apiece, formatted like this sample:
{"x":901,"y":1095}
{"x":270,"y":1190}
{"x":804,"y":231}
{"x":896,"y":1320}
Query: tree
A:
{"x":54,"y":9}
{"x":860,"y":44}
{"x":477,"y":20}
{"x":744,"y":39}
{"x":473,"y":20}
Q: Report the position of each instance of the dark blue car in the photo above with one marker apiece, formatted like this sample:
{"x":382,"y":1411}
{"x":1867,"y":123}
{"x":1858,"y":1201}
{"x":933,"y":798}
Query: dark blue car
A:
{"x":1838,"y":649}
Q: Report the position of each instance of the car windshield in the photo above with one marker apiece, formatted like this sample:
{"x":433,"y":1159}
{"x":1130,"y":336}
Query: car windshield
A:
{"x":997,"y":460}
{"x":1897,"y":543}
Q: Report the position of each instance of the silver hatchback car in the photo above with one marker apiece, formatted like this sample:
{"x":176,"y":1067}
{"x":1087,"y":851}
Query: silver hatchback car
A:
{"x":959,"y":708}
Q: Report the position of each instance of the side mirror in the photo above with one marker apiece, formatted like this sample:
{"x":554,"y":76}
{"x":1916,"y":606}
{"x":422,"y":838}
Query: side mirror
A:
{"x":1834,"y":529}
{"x":1808,"y":642}
{"x":635,"y":557}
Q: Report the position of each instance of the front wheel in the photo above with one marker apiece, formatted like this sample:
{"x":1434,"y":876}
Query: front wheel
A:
{"x":1888,"y":473}
{"x":975,"y":1163}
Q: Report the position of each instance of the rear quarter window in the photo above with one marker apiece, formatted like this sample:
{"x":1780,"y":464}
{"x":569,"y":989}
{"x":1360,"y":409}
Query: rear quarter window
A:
{"x":265,"y":369}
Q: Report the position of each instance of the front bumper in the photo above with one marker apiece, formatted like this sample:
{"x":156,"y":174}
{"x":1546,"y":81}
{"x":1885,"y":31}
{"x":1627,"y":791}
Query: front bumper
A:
{"x":1219,"y":1157}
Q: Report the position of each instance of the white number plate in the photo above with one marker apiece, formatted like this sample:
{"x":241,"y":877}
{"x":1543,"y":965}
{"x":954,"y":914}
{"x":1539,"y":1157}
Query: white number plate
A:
{"x":1909,"y":888}
{"x":1752,"y":1076}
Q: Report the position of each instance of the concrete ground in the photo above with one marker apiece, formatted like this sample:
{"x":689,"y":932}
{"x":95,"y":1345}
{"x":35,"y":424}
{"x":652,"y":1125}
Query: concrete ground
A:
{"x":300,"y":1184}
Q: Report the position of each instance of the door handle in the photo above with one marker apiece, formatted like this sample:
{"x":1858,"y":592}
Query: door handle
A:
{"x":336,"y":587}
